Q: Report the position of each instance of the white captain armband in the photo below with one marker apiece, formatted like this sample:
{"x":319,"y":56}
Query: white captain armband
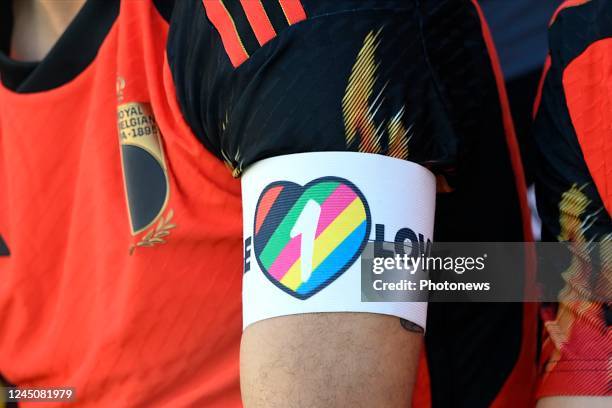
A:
{"x":307,"y":218}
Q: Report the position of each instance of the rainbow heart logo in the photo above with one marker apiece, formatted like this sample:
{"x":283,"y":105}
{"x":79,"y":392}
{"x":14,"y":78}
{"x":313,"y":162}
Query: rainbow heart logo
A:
{"x":307,"y":236}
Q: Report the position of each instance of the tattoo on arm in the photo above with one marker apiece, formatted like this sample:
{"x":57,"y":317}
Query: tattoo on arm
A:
{"x":411,"y":327}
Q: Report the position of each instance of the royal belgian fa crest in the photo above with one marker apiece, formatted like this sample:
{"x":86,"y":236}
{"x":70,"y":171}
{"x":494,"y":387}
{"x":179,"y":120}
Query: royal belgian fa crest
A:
{"x":145,"y":174}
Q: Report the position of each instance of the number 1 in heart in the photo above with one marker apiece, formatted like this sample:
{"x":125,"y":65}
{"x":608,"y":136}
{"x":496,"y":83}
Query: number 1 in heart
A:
{"x":306,"y":225}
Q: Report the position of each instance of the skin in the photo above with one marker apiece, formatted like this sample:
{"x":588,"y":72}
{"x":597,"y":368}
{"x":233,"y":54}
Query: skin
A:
{"x":575,"y":402}
{"x":38,"y":24}
{"x":329,"y":360}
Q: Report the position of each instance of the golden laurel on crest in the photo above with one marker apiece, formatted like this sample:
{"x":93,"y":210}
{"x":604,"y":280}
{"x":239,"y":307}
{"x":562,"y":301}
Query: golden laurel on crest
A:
{"x":156,"y":235}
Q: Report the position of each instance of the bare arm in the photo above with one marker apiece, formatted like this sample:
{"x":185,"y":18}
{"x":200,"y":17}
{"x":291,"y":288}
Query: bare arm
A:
{"x":329,"y":360}
{"x":574,"y":402}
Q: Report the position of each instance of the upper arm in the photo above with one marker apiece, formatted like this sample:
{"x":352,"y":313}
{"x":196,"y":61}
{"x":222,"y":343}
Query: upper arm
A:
{"x":329,"y":360}
{"x":352,"y":76}
{"x":573,"y":182}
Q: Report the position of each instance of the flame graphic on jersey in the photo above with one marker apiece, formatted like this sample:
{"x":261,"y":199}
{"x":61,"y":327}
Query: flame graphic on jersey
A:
{"x":359,"y":106}
{"x":571,"y":208}
{"x":566,"y":335}
{"x":233,"y":163}
{"x":575,"y":220}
